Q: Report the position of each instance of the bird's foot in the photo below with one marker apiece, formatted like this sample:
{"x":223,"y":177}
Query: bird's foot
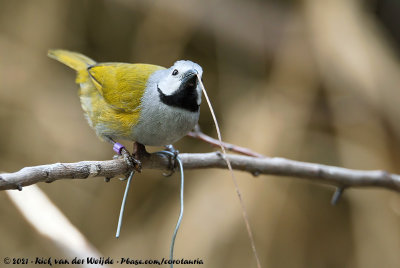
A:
{"x":172,"y":160}
{"x":139,"y":151}
{"x":130,"y":160}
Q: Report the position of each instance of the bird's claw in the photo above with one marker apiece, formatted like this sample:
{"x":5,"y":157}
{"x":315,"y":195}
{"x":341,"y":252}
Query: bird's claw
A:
{"x":133,"y":163}
{"x":172,"y":163}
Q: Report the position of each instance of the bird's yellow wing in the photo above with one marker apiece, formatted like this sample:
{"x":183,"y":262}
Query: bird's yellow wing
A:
{"x":122,"y":84}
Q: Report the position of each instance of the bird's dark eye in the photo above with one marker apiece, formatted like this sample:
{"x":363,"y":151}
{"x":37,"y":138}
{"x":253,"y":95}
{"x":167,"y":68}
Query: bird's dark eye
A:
{"x":175,"y":72}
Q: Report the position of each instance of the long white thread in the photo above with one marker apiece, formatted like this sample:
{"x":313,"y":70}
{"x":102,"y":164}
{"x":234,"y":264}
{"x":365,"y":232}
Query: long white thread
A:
{"x":178,"y":223}
{"x":121,"y":212}
{"x":244,"y":212}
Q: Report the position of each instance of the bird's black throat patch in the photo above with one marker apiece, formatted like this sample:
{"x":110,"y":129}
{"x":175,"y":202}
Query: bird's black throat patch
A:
{"x":185,"y":97}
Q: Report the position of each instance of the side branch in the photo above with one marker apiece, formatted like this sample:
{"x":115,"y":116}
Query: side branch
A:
{"x":337,"y":176}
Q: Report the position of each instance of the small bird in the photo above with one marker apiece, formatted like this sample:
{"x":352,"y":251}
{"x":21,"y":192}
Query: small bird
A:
{"x":144,"y":103}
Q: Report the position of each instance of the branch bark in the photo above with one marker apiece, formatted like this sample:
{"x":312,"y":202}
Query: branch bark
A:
{"x":337,"y":176}
{"x":197,"y":134}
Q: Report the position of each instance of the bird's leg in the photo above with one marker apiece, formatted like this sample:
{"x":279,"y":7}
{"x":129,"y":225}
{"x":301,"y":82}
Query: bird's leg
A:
{"x":172,"y":163}
{"x":134,"y":164}
{"x":139,"y":151}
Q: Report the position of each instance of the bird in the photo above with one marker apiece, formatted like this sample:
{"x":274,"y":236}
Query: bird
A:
{"x":143,"y":103}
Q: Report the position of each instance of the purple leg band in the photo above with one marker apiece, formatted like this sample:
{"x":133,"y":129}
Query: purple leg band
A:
{"x":118,"y":147}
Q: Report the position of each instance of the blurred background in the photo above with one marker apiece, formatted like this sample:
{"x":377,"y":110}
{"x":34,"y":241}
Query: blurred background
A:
{"x":307,"y":80}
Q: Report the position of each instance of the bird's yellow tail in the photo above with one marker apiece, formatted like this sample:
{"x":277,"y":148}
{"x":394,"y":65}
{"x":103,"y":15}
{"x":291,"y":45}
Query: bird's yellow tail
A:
{"x":74,"y":60}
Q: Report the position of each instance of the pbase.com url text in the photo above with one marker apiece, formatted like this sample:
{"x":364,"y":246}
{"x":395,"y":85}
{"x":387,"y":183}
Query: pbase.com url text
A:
{"x":161,"y":262}
{"x":95,"y":261}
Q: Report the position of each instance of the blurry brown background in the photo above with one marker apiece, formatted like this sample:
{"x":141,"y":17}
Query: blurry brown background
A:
{"x":311,"y":80}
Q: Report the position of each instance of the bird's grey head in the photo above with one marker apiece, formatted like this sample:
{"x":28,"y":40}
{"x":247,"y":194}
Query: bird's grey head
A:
{"x":179,"y":86}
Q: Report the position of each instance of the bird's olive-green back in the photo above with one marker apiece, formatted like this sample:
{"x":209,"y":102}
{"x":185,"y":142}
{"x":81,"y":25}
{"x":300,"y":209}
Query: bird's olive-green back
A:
{"x":122,"y":84}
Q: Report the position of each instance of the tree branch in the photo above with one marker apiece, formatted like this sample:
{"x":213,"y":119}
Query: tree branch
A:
{"x":197,"y":134}
{"x":337,"y":176}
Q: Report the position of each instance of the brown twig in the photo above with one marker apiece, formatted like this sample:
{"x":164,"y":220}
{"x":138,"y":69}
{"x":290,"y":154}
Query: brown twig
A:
{"x":337,"y":176}
{"x":197,"y":134}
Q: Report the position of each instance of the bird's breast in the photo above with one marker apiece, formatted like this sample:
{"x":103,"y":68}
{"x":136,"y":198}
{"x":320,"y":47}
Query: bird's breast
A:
{"x":160,"y":124}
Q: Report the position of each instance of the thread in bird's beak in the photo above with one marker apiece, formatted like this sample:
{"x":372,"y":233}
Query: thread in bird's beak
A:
{"x":228,"y":163}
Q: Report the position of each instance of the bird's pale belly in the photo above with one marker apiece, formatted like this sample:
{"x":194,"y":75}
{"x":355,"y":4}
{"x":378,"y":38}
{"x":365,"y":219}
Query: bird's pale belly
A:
{"x":164,"y":127}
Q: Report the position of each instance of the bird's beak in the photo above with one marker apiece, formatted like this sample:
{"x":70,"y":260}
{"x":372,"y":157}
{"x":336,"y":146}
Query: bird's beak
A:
{"x":189,"y":80}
